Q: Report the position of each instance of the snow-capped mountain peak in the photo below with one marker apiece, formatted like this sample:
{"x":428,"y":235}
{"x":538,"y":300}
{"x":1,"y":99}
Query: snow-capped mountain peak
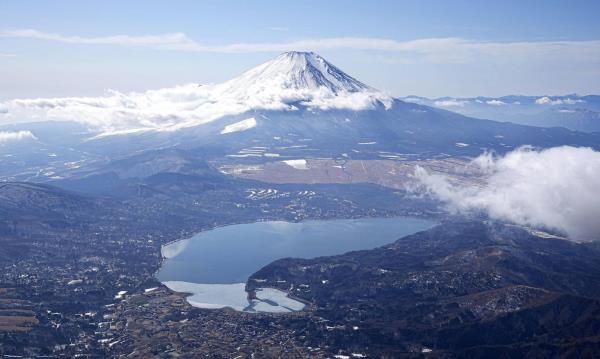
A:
{"x":298,"y":71}
{"x":303,"y":78}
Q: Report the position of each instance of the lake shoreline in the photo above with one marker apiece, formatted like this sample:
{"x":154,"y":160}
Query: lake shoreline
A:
{"x":210,"y":267}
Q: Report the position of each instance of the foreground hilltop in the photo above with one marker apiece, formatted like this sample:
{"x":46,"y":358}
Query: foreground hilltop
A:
{"x":471,"y":289}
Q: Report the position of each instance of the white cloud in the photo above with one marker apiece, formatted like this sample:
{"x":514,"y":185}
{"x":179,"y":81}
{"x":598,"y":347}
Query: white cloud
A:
{"x":554,"y":188}
{"x":179,"y":107}
{"x":118,"y":112}
{"x":412,"y":99}
{"x":436,"y":50}
{"x":173,"y":41}
{"x":564,"y":101}
{"x":450,"y":103}
{"x":495,"y":103}
{"x":11,"y":136}
{"x":547,"y":101}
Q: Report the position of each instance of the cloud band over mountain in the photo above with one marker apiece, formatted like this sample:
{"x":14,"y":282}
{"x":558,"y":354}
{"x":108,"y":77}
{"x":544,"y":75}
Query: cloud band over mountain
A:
{"x":289,"y":81}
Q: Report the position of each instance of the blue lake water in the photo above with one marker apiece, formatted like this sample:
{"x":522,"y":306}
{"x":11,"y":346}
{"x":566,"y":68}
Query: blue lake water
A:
{"x":231,"y":254}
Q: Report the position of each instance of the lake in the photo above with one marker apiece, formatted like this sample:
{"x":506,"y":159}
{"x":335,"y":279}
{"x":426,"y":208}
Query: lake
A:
{"x":213,"y":264}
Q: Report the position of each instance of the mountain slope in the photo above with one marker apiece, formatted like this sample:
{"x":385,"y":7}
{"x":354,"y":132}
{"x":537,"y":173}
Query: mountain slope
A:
{"x":300,"y":105}
{"x":296,"y":71}
{"x":456,"y":288}
{"x":401,"y":130}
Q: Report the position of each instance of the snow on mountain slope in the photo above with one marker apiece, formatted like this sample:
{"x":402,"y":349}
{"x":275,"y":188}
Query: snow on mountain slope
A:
{"x":296,"y":71}
{"x":239,"y":126}
{"x":291,"y":80}
{"x":300,"y":77}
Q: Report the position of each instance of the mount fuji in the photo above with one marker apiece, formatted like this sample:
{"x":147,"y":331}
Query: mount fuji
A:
{"x":299,"y":77}
{"x":300,"y":105}
{"x":297,"y":105}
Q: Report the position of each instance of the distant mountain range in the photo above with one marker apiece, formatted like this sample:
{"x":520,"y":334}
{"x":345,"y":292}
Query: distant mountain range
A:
{"x":579,"y":113}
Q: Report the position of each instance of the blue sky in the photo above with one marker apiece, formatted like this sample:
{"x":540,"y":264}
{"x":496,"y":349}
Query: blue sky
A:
{"x":428,"y":48}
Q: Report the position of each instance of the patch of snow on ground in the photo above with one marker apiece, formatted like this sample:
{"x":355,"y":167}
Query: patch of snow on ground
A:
{"x":215,"y":296}
{"x":275,"y":301}
{"x":265,"y":193}
{"x":297,"y":164}
{"x":543,"y":234}
{"x":120,"y":294}
{"x":240,"y":169}
{"x":212,"y":296}
{"x":239,"y":126}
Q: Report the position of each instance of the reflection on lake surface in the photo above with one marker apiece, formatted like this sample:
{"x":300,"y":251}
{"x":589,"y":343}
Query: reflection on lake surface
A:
{"x":213,"y":266}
